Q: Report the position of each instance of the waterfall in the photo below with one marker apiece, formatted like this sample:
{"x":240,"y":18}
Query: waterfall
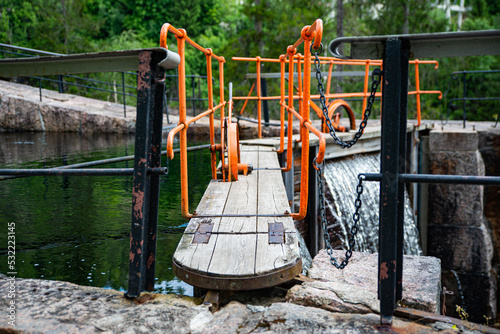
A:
{"x":341,"y":178}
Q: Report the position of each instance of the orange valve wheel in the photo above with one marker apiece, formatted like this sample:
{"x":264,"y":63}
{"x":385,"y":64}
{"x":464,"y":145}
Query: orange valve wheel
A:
{"x":332,"y":107}
{"x":232,"y":151}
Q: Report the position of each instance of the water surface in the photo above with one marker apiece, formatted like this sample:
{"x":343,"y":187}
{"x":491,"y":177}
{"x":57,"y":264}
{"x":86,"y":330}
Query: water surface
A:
{"x":77,"y":228}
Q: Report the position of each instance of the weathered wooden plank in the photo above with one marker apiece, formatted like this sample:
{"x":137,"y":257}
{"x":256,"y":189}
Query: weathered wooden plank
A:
{"x":198,"y":256}
{"x":212,"y":203}
{"x":234,"y":255}
{"x":272,"y":194}
{"x":270,"y":257}
{"x":195,"y":256}
{"x":242,"y":200}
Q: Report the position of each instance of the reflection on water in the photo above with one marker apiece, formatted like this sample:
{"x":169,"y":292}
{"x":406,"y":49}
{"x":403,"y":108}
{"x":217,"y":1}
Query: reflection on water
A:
{"x":77,"y":228}
{"x":341,"y":181}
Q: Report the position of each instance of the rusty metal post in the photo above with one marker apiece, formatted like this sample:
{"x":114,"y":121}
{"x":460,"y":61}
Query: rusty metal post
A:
{"x":145,"y":200}
{"x":403,"y":113}
{"x":389,"y":168}
{"x":316,"y":240}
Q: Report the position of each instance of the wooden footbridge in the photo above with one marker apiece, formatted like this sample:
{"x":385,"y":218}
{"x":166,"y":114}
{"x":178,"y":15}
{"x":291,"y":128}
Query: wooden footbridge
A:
{"x":243,"y":239}
{"x":242,"y":235}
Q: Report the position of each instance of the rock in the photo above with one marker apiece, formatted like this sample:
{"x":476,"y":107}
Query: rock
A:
{"x":354,"y":289}
{"x":22,"y":110}
{"x":61,"y":307}
{"x":458,"y":232}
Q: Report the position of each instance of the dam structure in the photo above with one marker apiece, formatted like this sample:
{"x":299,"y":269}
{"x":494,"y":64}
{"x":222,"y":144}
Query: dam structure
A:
{"x":243,"y":234}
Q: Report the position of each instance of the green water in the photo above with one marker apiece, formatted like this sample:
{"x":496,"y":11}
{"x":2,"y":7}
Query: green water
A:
{"x":77,"y":228}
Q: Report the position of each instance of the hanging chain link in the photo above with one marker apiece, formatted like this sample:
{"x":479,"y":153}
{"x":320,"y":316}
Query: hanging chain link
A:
{"x":324,"y":222}
{"x":376,"y":78}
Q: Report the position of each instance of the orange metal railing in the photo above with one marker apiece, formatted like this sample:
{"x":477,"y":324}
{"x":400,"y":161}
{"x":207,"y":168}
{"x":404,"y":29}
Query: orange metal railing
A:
{"x":310,"y":36}
{"x":229,"y":141}
{"x":181,"y":128}
{"x":330,"y":61}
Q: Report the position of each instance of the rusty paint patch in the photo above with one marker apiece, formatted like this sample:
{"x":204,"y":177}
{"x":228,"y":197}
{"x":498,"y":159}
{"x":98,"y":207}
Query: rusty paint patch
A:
{"x":138,"y":201}
{"x":151,"y":260}
{"x":143,"y":78}
{"x":144,"y":298}
{"x":384,"y":271}
{"x":131,"y":256}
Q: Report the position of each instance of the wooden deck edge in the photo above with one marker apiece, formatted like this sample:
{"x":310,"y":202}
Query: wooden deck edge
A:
{"x":238,"y":283}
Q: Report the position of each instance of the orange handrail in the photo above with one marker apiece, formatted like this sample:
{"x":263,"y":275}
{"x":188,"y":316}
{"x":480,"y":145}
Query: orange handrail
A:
{"x":297,"y":59}
{"x":308,"y":34}
{"x":181,"y":128}
{"x":311,"y":38}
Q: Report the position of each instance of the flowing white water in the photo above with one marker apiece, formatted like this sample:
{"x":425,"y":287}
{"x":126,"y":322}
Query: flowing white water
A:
{"x":341,"y":180}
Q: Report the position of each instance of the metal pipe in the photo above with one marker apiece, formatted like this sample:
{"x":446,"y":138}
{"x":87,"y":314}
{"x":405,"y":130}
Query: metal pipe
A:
{"x":436,"y":178}
{"x":78,"y":172}
{"x":106,"y":161}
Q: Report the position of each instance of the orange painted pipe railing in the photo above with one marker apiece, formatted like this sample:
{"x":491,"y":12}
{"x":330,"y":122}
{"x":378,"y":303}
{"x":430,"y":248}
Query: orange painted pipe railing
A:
{"x":298,"y":59}
{"x":181,"y":128}
{"x":311,"y":38}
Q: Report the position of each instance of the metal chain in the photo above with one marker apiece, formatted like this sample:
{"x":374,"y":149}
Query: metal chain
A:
{"x":376,"y":78}
{"x":355,"y":218}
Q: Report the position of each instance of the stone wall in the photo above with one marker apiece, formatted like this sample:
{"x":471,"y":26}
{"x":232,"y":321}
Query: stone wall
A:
{"x":489,"y":146}
{"x":22,"y":109}
{"x":458,"y":232}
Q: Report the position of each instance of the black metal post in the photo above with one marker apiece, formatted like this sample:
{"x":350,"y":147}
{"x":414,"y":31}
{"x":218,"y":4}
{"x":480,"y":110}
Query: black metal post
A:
{"x":263,"y":84}
{"x":403,"y":113}
{"x":60,"y":81}
{"x":315,"y":232}
{"x":150,"y":91}
{"x":389,"y":168}
{"x":193,"y":95}
{"x":124,"y":96}
{"x":464,"y":79}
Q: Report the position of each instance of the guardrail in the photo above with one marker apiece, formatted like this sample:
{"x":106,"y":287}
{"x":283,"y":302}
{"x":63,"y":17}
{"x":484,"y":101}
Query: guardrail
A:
{"x":463,"y":75}
{"x":114,"y":88}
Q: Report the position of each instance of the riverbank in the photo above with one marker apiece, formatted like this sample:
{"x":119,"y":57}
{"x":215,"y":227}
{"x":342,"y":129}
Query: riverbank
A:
{"x":27,"y":108}
{"x":315,"y":306}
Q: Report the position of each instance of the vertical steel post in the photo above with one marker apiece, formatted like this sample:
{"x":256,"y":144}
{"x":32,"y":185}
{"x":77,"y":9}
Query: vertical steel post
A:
{"x":124,"y":96}
{"x":403,"y":117}
{"x":263,"y":84}
{"x":464,"y":79}
{"x":193,"y":95}
{"x":60,"y":83}
{"x":315,"y":233}
{"x":150,"y":91}
{"x":389,"y":168}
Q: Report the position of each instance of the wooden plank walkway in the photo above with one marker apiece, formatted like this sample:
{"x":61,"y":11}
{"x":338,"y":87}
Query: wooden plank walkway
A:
{"x":240,"y":253}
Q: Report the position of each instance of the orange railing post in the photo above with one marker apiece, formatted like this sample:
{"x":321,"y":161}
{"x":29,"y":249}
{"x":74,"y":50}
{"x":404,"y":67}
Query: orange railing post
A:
{"x":311,"y":38}
{"x":259,"y":98}
{"x":417,"y":90}
{"x":213,"y":156}
{"x":182,"y":126}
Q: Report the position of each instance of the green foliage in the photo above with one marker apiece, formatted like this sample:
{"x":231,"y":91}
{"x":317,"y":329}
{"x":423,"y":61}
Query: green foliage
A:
{"x":387,"y":17}
{"x":238,"y":28}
